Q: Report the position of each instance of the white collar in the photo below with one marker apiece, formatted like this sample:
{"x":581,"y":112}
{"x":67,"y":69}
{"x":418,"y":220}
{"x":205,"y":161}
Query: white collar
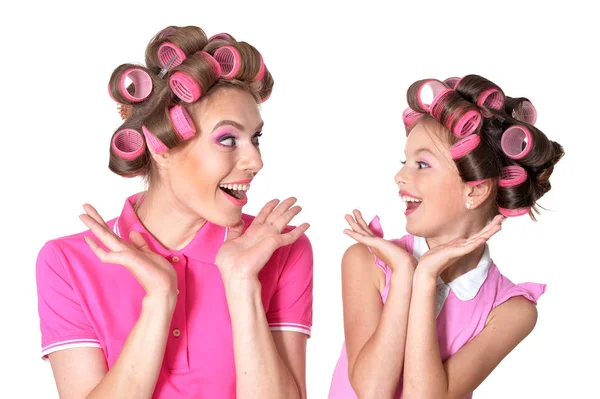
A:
{"x":466,"y":286}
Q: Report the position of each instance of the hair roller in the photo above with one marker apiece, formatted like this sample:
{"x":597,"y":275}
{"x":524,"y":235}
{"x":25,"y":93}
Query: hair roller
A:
{"x":456,"y":114}
{"x":516,"y":142}
{"x":418,"y":94}
{"x":170,"y":55}
{"x":128,"y":144}
{"x":222,"y":36}
{"x":512,"y":176}
{"x":264,"y":87}
{"x":465,"y":146}
{"x":182,"y":122}
{"x":194,"y":77}
{"x":451,"y":82}
{"x":230,"y":61}
{"x":513,"y":212}
{"x":410,"y":118}
{"x":153,"y":142}
{"x":137,"y":91}
{"x":521,"y":109}
{"x":261,"y":71}
{"x":481,"y":91}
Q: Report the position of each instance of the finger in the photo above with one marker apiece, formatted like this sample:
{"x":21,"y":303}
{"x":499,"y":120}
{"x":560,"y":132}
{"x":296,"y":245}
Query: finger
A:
{"x":496,"y":222}
{"x":280,"y":210}
{"x":287,"y":217}
{"x":361,"y":238}
{"x":355,"y":226}
{"x":107,"y":237}
{"x":101,"y":253}
{"x":235,"y":231}
{"x":292,"y":236}
{"x":361,"y":221}
{"x":90,"y":210}
{"x":265,"y":211}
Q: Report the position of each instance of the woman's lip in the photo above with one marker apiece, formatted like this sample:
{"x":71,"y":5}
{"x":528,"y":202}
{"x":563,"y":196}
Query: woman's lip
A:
{"x":235,"y":201}
{"x":239,"y":182}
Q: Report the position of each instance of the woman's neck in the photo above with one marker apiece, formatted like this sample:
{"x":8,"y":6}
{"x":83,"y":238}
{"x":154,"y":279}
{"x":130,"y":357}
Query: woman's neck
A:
{"x":169,"y":220}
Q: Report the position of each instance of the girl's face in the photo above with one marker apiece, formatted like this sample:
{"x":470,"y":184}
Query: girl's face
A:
{"x":210,"y":175}
{"x":429,"y":183}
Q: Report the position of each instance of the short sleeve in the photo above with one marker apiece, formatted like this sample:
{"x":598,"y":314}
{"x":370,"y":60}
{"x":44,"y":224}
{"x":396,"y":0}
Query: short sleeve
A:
{"x":63,"y":323}
{"x":531,"y":292}
{"x":291,"y":305}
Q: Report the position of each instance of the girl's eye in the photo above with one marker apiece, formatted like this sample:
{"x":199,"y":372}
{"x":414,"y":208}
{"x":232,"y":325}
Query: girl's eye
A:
{"x":422,"y":165}
{"x":227,"y":141}
{"x":403,"y":162}
{"x":255,"y":139}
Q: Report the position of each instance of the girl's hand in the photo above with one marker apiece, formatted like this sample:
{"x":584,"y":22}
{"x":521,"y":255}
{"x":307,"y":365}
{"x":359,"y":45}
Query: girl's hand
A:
{"x":393,"y":255}
{"x":438,"y":259}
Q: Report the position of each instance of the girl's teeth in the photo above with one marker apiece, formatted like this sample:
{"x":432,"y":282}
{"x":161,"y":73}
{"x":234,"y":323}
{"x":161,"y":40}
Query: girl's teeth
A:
{"x":236,"y":187}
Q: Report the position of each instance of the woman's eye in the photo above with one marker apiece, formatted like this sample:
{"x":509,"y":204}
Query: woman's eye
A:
{"x":255,"y":139}
{"x":422,"y":165}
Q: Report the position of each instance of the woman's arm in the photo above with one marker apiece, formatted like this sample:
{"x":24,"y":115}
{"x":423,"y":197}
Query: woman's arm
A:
{"x":82,"y":372}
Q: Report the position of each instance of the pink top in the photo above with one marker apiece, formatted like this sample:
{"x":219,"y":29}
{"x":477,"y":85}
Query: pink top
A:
{"x":462,"y":308}
{"x":84,"y":302}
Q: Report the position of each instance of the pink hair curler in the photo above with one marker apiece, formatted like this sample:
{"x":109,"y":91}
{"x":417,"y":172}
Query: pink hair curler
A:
{"x":128,"y":144}
{"x":516,"y":142}
{"x":185,"y":87}
{"x":437,"y":88}
{"x":211,"y":59}
{"x":182,"y":122}
{"x":261,"y":71}
{"x":491,"y":98}
{"x":467,"y":124}
{"x":410,"y":116}
{"x":512,"y":176}
{"x":221,"y":36}
{"x":513,"y":212}
{"x":229,"y":59}
{"x":153,"y":141}
{"x":451,"y":82}
{"x":465,"y":146}
{"x":142,"y":85}
{"x":475,"y":182}
{"x":526,"y":113}
{"x":170,"y":53}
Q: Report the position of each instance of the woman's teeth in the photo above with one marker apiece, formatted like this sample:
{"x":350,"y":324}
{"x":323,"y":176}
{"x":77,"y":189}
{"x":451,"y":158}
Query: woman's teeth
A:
{"x":236,"y":187}
{"x":406,"y":198}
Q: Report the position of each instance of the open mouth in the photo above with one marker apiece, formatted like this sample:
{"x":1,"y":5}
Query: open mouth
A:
{"x":237,"y":191}
{"x":412,"y":203}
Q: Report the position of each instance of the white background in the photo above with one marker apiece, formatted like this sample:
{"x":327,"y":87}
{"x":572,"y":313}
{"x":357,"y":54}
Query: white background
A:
{"x":333,"y":138}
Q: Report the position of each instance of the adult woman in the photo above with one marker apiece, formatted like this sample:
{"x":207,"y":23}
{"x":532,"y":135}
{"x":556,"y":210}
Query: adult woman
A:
{"x":211,"y":301}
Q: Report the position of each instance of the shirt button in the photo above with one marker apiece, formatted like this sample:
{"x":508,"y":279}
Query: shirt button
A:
{"x":176,"y":332}
{"x":175,"y":259}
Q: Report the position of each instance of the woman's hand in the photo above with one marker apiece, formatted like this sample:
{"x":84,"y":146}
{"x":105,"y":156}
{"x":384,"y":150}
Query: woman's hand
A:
{"x":244,"y":255}
{"x":438,"y":259}
{"x":156,"y":275}
{"x":393,"y":255}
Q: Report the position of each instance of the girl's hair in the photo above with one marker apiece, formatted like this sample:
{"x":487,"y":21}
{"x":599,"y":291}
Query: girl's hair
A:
{"x":182,"y":67}
{"x":493,"y":137}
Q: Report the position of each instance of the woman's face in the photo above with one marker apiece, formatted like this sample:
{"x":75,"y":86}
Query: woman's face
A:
{"x":211,"y":174}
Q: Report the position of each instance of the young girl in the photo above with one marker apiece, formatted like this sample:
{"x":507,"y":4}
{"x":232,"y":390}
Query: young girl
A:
{"x":210,"y":303}
{"x":430,"y":315}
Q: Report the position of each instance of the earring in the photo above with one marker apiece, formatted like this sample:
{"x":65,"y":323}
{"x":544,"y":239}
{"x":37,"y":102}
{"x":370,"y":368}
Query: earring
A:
{"x":470,"y":203}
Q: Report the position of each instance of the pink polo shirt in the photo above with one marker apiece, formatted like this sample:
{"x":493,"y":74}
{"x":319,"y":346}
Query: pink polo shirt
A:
{"x":83,"y":302}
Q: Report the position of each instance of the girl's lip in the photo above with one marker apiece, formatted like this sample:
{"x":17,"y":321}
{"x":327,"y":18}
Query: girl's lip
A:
{"x":402,"y":192}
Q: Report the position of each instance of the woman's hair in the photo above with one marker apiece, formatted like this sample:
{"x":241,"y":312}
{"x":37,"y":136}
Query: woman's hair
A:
{"x":182,"y":67}
{"x":493,"y":137}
